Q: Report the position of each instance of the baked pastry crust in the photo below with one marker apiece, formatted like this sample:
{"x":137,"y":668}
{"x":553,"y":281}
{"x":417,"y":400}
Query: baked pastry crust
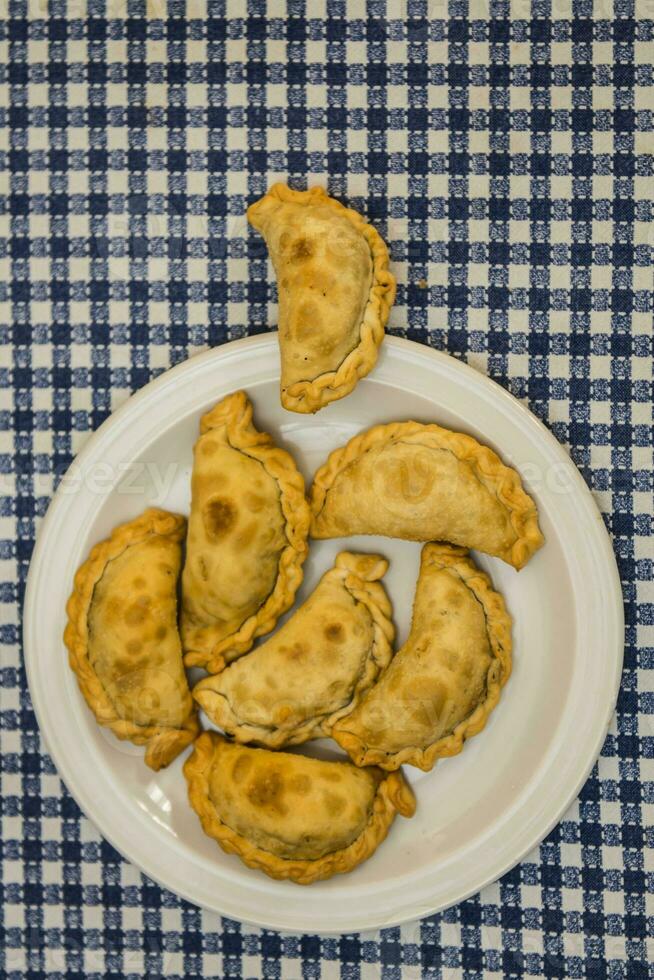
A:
{"x":294,"y":806}
{"x":334,"y":296}
{"x":163,"y":741}
{"x":443,"y":684}
{"x":258,"y":548}
{"x":425,"y":483}
{"x":315,"y":669}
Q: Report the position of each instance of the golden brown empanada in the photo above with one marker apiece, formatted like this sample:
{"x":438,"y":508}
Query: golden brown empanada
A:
{"x":122,"y":636}
{"x":315,"y":668}
{"x":443,"y":683}
{"x":247,"y":536}
{"x":335,"y":293}
{"x":290,"y":816}
{"x":425,"y":483}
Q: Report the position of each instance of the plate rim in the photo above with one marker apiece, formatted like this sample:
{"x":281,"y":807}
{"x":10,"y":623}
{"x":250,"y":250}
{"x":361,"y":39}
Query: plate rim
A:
{"x":493,"y":391}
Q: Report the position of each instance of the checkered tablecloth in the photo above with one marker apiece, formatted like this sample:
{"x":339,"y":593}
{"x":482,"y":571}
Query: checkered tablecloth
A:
{"x":504,"y":149}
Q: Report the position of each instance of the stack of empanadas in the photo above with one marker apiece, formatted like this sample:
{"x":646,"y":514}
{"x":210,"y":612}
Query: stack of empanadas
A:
{"x":329,"y":670}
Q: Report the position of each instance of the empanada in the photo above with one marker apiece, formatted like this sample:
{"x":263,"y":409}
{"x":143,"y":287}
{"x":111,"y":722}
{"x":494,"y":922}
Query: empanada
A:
{"x":288,"y":815}
{"x":335,"y":293}
{"x":443,"y":683}
{"x":315,"y":668}
{"x":425,"y":483}
{"x":247,"y":536}
{"x":122,"y":636}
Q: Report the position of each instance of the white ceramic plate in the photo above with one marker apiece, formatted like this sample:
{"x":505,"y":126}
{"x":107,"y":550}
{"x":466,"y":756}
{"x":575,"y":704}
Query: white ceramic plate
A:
{"x":479,"y":812}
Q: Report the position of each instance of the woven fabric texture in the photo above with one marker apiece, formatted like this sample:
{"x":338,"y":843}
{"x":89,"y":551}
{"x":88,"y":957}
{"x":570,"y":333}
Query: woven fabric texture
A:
{"x":504,"y":148}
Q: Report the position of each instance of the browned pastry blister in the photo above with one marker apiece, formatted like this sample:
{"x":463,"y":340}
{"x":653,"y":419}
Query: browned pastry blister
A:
{"x":122,"y":636}
{"x":442,"y":685}
{"x":335,"y":292}
{"x":290,"y":816}
{"x":247,"y":536}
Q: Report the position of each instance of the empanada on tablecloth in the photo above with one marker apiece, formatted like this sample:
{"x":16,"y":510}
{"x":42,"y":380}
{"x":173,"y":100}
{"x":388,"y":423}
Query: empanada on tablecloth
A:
{"x":122,"y":636}
{"x":441,"y":686}
{"x":247,"y":536}
{"x":315,"y":668}
{"x":425,"y":483}
{"x":335,"y":292}
{"x":290,"y":816}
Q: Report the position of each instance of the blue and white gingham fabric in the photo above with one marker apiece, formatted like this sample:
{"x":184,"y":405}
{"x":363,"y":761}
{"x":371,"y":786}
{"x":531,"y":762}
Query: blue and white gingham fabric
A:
{"x":505,"y":150}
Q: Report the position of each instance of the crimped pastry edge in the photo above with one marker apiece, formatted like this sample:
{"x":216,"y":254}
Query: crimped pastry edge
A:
{"x":498,"y":627}
{"x":311,"y":396}
{"x":393,"y":795}
{"x":234,"y":413}
{"x":503,"y":481}
{"x":162,"y":743}
{"x":360,"y":575}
